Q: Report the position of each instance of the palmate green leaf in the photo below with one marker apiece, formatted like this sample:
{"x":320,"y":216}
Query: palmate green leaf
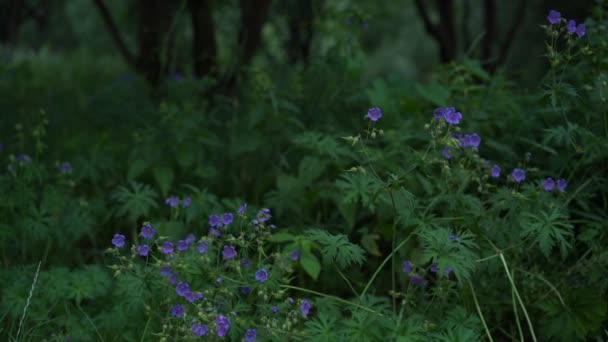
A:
{"x":359,"y":188}
{"x":322,"y":328}
{"x":310,"y":264}
{"x":459,"y":255}
{"x":135,"y":201}
{"x":548,"y":230}
{"x":322,"y":144}
{"x":336,"y":248}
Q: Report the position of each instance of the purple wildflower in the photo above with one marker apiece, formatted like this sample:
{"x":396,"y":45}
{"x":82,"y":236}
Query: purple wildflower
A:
{"x":448,"y":270}
{"x":571,"y":26}
{"x":561,"y":185}
{"x":434,"y":268}
{"x":143,"y":250}
{"x":199,"y":329}
{"x":454,"y":238}
{"x":193,"y":296}
{"x":305,"y":308}
{"x":275,"y":310}
{"x":452,"y":116}
{"x":214,"y":221}
{"x":165,"y":271}
{"x":470,"y":140}
{"x":182,"y":288}
{"x":167,"y":247}
{"x":147,"y":231}
{"x":418,"y":281}
{"x":177,"y":311}
{"x":227,"y":219}
{"x":218,"y":281}
{"x":549,"y":184}
{"x":446,"y":153}
{"x":222,"y":325}
{"x":65,"y":167}
{"x":580,"y":30}
{"x":24,"y":159}
{"x":407,"y":266}
{"x":495,"y":171}
{"x":290,"y":301}
{"x":261,"y":275}
{"x":242,"y":209}
{"x":190,"y":238}
{"x":554,"y":17}
{"x":173,"y":278}
{"x":295,"y":255}
{"x":264,"y":215}
{"x":246,"y":263}
{"x":118,"y":240}
{"x":518,"y":175}
{"x":182,"y":245}
{"x":245,"y":290}
{"x":250,"y":335}
{"x":229,"y":252}
{"x":203,"y":247}
{"x":255,"y":222}
{"x":172,"y":201}
{"x":186,"y":202}
{"x":374,"y":114}
{"x":439,"y":113}
{"x":215,"y":232}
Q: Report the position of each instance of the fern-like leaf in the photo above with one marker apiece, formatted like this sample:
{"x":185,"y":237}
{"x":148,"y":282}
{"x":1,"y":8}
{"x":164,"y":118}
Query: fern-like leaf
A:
{"x":336,"y":248}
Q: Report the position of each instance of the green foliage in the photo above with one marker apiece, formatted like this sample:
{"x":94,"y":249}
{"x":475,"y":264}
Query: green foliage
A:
{"x":336,"y":248}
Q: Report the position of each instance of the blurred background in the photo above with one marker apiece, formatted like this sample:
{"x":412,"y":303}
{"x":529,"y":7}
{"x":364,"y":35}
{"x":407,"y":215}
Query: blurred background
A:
{"x":232,"y":101}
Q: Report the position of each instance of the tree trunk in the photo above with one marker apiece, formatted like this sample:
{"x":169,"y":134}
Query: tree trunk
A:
{"x":301,"y":18}
{"x":203,"y":40}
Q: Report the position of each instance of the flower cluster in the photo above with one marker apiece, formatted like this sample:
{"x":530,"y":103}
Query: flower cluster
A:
{"x":449,"y":114}
{"x":198,"y":301}
{"x":555,"y":18}
{"x":549,"y":184}
{"x":173,"y":201}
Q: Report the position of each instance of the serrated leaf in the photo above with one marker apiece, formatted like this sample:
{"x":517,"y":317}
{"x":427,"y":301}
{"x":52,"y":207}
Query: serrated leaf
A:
{"x":310,"y":264}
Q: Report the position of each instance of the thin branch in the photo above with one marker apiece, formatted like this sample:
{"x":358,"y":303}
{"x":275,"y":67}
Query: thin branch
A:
{"x":114,"y":32}
{"x":428,"y":25}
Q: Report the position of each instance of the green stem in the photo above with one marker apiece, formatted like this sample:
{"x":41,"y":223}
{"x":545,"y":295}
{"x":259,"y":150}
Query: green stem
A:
{"x":521,"y":303}
{"x":334,"y":298}
{"x":369,"y":283}
{"x":483,"y":321}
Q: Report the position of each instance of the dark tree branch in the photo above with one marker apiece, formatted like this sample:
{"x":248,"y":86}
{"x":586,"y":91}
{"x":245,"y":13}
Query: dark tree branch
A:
{"x":428,"y":25}
{"x":300,"y":30}
{"x":510,"y":38}
{"x":489,"y":16}
{"x":203,"y":42}
{"x":466,"y":34}
{"x":443,"y":32}
{"x":114,"y":32}
{"x":253,"y":17}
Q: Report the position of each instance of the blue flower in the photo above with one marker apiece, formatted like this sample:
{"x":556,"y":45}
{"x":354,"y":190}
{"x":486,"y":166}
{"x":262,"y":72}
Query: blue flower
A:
{"x":190,"y":238}
{"x":199,"y":329}
{"x":418,"y":281}
{"x":147,"y":231}
{"x":193,"y":296}
{"x":518,"y":175}
{"x":186,"y":202}
{"x":118,"y":240}
{"x":305,"y":308}
{"x":374,"y":114}
{"x":275,"y":310}
{"x":214,"y":221}
{"x":172,"y":201}
{"x":561,"y":185}
{"x":245,"y":290}
{"x":167,"y":247}
{"x":261,"y":275}
{"x":295,"y":255}
{"x":242,"y":208}
{"x":549,"y":184}
{"x":250,"y":335}
{"x":495,"y":171}
{"x":177,"y":311}
{"x":165,"y":271}
{"x":222,"y":325}
{"x":182,"y":245}
{"x":554,"y":17}
{"x":227,"y":219}
{"x":182,"y":289}
{"x":571,"y":27}
{"x":203,"y":247}
{"x":434,"y":268}
{"x":407,"y":266}
{"x":143,"y":250}
{"x":446,"y":153}
{"x":229,"y":252}
{"x":452,"y":116}
{"x":580,"y":30}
